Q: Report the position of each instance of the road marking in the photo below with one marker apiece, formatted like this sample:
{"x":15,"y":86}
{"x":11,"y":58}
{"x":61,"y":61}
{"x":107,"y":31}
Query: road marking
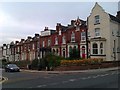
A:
{"x":95,"y":76}
{"x":72,"y":80}
{"x":112,"y":73}
{"x":103,"y":75}
{"x":65,"y":81}
{"x":53,"y":84}
{"x":88,"y":77}
{"x":83,"y":78}
{"x":41,"y":85}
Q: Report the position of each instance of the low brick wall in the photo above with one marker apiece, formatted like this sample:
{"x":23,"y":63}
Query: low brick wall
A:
{"x":86,"y":67}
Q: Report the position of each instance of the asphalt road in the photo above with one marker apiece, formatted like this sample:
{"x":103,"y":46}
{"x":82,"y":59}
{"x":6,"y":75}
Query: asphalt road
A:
{"x":23,"y":79}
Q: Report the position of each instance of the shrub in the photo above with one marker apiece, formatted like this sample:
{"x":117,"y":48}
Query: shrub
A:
{"x":34,"y":64}
{"x":53,"y":60}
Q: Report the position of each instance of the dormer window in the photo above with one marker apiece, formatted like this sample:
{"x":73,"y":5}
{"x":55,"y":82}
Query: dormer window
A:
{"x":73,"y":37}
{"x":56,"y":40}
{"x":97,"y":19}
{"x":63,"y":40}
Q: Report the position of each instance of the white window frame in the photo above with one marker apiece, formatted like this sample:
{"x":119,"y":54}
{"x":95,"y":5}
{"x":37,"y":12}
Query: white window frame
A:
{"x":97,"y":19}
{"x":97,"y":32}
{"x":83,"y":36}
{"x":43,"y":43}
{"x":56,"y":40}
{"x":73,"y":37}
{"x":18,"y":49}
{"x":95,"y":49}
{"x":118,"y":49}
{"x":118,"y":33}
{"x":101,"y":48}
{"x":49,"y":42}
{"x":63,"y":40}
{"x":33,"y":46}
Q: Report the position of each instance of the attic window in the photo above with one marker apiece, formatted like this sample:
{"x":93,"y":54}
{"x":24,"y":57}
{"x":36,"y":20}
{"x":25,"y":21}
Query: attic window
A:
{"x":97,"y":19}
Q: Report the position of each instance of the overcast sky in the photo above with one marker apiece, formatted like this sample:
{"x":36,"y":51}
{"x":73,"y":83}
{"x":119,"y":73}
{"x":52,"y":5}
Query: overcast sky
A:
{"x":21,"y":19}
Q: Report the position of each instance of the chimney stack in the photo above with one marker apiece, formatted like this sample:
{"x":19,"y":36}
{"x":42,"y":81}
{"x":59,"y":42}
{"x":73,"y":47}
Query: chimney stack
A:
{"x":16,"y":42}
{"x":72,"y":22}
{"x":36,"y":35}
{"x":46,"y":28}
{"x":118,"y":15}
{"x":29,"y":37}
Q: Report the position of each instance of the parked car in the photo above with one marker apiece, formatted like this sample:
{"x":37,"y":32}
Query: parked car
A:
{"x":12,"y":68}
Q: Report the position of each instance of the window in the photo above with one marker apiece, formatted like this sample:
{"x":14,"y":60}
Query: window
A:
{"x":18,"y":49}
{"x":63,"y":40}
{"x":118,"y":50}
{"x":118,"y":33}
{"x":83,"y":36}
{"x":97,"y":32}
{"x":43,"y":44}
{"x":21,"y":48}
{"x":97,"y":19}
{"x":33,"y":46}
{"x":56,"y":40}
{"x":101,"y":48}
{"x":48,"y":42}
{"x":77,"y":28}
{"x":73,"y":37}
{"x":28,"y":47}
{"x":95,"y":48}
{"x":88,"y":34}
{"x":25,"y":47}
{"x":113,"y":33}
{"x":59,"y":32}
{"x":113,"y":50}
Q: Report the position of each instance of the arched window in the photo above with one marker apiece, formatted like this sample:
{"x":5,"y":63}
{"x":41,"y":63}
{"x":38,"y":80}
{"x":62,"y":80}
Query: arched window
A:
{"x":83,"y":49}
{"x":101,"y":48}
{"x":95,"y":48}
{"x":54,"y":51}
{"x":73,"y":37}
{"x":57,"y":50}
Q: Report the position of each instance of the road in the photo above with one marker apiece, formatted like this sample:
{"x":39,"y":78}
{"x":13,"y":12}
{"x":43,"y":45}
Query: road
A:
{"x":97,"y":79}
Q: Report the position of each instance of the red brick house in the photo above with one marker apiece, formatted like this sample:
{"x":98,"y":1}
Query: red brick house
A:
{"x":64,"y":38}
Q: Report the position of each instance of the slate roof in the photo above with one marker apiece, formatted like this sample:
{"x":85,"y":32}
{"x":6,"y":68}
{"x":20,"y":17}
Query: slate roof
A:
{"x":114,"y":18}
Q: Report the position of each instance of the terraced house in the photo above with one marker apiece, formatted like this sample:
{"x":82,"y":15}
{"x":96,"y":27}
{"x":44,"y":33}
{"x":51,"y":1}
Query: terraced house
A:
{"x":99,"y":37}
{"x":64,"y":38}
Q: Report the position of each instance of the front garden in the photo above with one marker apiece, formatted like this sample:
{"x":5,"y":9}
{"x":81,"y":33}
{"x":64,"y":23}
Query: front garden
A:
{"x":53,"y":62}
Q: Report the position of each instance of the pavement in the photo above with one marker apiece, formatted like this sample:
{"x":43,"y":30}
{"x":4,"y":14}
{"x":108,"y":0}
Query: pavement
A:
{"x":77,"y":71}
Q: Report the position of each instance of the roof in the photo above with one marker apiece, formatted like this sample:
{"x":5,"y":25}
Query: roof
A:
{"x":114,"y":18}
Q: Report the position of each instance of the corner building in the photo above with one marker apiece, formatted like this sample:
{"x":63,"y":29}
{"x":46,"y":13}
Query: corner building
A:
{"x":104,"y":34}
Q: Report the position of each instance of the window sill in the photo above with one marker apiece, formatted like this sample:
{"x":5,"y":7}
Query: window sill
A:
{"x":97,"y":55}
{"x":96,"y":23}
